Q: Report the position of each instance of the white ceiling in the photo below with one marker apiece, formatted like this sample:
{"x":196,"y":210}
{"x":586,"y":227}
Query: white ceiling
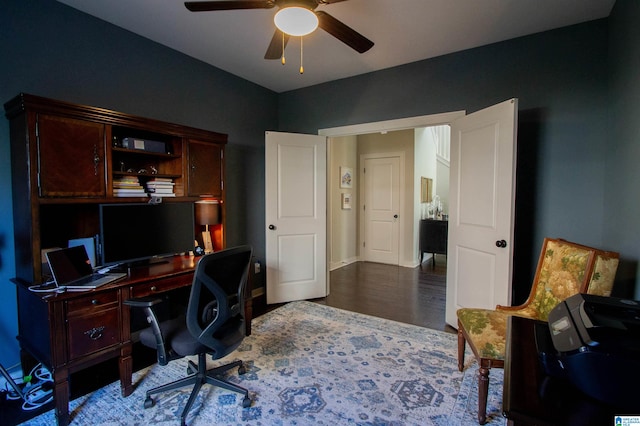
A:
{"x":403,"y":31}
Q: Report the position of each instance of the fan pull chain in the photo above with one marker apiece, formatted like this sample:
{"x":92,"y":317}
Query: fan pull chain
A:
{"x":301,"y":67}
{"x":282,"y":59}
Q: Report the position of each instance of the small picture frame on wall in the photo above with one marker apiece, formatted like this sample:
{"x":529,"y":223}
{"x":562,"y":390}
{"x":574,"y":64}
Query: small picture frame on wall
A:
{"x":346,"y":177}
{"x":426,"y":190}
{"x":346,"y":201}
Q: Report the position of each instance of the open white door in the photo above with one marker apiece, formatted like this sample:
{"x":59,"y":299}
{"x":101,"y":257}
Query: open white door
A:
{"x":481,"y":213}
{"x":296,"y":228}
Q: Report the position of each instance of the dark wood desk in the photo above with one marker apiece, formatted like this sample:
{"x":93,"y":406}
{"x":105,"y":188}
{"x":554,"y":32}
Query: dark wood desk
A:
{"x":68,"y":332}
{"x":532,"y":398}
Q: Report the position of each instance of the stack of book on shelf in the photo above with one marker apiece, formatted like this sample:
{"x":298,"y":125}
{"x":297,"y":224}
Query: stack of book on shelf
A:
{"x":160,"y":187}
{"x":127,"y":186}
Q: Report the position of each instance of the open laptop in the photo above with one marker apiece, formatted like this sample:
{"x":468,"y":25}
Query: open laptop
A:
{"x":71,"y":270}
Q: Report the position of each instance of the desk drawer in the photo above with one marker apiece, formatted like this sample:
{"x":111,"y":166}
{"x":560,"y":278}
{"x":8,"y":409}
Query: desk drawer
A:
{"x":161,"y":285}
{"x":95,"y":302}
{"x":93,"y":331}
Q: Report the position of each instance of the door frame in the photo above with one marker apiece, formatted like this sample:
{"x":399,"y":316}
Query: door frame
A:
{"x":406,"y":123}
{"x":392,"y":125}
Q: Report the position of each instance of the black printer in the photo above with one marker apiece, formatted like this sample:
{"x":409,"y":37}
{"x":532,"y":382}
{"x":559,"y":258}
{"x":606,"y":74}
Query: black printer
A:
{"x":596,"y":346}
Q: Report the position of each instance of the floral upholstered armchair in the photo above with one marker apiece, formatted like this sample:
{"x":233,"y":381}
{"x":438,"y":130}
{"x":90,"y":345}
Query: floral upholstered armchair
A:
{"x":564,"y":269}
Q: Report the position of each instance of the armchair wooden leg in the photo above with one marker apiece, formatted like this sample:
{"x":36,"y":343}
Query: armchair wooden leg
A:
{"x":483,"y":392}
{"x":461,"y":348}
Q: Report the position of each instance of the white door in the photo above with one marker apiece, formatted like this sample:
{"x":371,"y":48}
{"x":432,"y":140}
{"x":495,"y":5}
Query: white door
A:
{"x":481,"y":214}
{"x":381,"y":208}
{"x":295,"y":201}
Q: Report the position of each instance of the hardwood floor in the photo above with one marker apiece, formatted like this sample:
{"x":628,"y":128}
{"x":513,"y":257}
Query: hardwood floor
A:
{"x":410,"y":295}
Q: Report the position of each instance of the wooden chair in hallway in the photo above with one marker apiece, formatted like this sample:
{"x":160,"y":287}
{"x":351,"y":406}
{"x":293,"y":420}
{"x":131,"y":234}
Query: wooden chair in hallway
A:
{"x":564,"y":269}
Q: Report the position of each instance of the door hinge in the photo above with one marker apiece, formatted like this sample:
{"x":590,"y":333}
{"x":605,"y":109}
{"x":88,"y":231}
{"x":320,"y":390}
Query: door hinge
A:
{"x":364,"y":244}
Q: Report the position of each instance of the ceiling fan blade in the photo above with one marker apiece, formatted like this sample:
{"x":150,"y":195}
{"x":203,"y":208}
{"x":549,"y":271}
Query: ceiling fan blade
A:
{"x":342,"y":32}
{"x":329,"y":1}
{"x":274,"y":51}
{"x":208,"y":6}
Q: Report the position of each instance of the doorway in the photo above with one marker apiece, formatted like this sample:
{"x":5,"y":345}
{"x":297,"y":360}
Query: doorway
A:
{"x":341,"y":224}
{"x":500,"y":117}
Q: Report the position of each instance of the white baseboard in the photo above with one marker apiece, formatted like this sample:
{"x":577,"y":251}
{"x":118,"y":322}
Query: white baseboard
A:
{"x":337,"y":265}
{"x":425,"y":258}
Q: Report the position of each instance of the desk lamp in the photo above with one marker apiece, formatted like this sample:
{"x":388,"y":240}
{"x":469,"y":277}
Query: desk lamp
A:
{"x":207,"y":213}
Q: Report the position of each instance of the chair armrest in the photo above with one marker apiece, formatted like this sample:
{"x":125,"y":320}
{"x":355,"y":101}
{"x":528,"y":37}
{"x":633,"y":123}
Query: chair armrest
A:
{"x":143,"y":302}
{"x":509,"y":308}
{"x":524,"y":310}
{"x":147,"y":303}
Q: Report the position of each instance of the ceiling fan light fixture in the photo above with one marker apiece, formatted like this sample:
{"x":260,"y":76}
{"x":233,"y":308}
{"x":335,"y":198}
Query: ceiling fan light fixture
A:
{"x":296,"y":21}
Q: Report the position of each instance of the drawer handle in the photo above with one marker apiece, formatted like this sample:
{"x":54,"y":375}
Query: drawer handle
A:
{"x":154,"y":288}
{"x":95,"y":333}
{"x":94,"y":301}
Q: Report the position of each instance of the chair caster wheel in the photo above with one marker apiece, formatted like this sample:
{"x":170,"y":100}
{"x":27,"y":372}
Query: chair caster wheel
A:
{"x":149,"y":402}
{"x":242,"y":369}
{"x":246,"y":402}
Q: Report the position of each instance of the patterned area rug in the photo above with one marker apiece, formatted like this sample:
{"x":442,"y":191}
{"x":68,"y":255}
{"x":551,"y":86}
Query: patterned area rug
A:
{"x":310,"y":364}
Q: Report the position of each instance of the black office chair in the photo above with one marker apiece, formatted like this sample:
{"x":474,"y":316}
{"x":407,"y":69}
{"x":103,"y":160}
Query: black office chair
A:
{"x":214,"y":324}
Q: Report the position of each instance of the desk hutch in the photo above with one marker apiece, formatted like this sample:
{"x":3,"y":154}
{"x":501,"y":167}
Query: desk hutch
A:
{"x":65,"y":159}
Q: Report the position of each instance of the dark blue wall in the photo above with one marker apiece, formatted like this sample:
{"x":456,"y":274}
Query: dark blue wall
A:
{"x":578,"y":149}
{"x":51,"y":50}
{"x":560,"y":78}
{"x":621,"y":218}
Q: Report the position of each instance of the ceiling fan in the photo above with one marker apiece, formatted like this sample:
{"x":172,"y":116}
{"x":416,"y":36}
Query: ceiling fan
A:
{"x":342,"y":32}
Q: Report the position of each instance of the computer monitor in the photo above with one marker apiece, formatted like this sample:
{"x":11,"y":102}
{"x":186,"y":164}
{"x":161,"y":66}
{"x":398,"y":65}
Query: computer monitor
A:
{"x":132,"y":233}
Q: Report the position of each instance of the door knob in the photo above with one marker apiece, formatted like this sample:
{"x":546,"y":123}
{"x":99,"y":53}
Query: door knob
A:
{"x":501,"y":243}
{"x":395,"y":216}
{"x":272,"y":227}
